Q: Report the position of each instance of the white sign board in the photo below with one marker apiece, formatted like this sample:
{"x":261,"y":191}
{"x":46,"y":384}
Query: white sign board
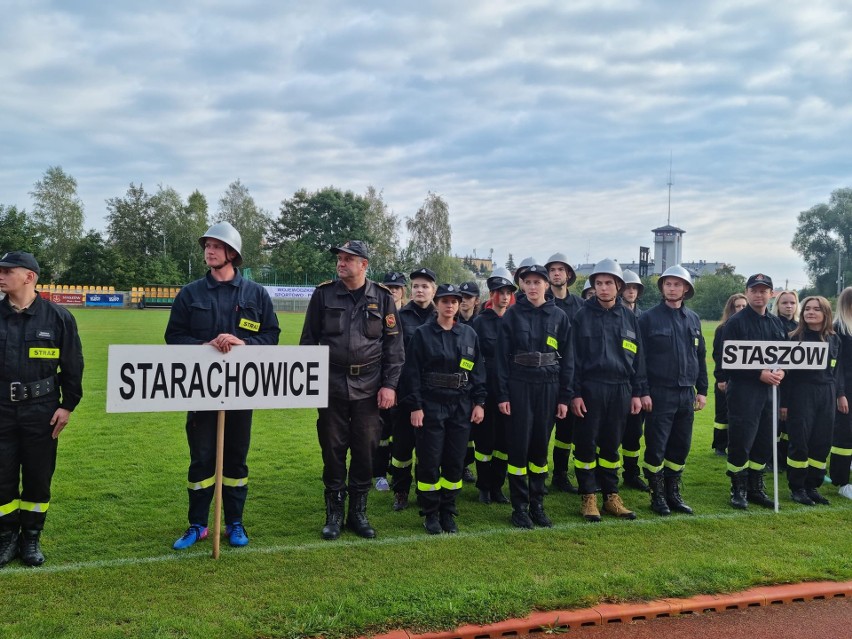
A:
{"x":762,"y":355}
{"x":148,"y":379}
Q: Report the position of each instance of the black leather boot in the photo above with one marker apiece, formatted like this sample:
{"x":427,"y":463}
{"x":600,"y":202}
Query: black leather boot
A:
{"x":757,"y":490}
{"x":30,"y":548}
{"x":538,"y":515}
{"x":673,"y":497}
{"x":739,"y":489}
{"x":8,"y":546}
{"x":357,"y":517}
{"x":333,"y":514}
{"x":631,"y":477}
{"x":658,"y":497}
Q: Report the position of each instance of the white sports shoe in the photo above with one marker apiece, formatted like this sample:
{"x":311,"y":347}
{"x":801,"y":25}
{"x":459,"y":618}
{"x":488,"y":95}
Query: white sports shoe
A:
{"x":845,"y":491}
{"x":382,"y":484}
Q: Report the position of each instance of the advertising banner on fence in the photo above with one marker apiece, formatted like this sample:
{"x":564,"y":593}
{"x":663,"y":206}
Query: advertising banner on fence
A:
{"x":290,"y":292}
{"x":148,"y":378}
{"x":67,"y":299}
{"x":105,"y":299}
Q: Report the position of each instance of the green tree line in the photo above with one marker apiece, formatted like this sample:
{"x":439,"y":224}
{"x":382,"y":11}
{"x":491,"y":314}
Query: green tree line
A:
{"x":151,"y":237}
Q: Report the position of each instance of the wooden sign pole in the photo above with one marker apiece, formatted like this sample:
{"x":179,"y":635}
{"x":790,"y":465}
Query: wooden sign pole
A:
{"x":217,"y":491}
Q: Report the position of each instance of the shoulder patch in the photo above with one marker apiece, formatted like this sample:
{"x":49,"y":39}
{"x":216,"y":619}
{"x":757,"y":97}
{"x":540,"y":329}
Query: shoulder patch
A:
{"x":382,"y":286}
{"x":326,"y":283}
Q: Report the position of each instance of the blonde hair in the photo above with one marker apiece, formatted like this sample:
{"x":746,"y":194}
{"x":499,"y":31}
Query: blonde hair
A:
{"x":844,"y":312}
{"x":777,"y":304}
{"x":825,"y":330}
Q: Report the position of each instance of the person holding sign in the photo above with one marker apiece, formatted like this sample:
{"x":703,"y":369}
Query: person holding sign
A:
{"x":809,"y":400}
{"x":534,"y":373}
{"x":357,"y":319}
{"x":444,"y":389}
{"x":750,"y":398}
{"x":675,"y":358}
{"x":41,"y":383}
{"x":224,"y":311}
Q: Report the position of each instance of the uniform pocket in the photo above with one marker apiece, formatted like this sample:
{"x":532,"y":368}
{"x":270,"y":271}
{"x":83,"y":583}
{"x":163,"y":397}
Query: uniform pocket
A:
{"x":373,"y":324}
{"x":332,"y":320}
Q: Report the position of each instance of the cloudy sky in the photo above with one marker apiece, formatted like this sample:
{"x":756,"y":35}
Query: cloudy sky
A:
{"x":546,"y":125}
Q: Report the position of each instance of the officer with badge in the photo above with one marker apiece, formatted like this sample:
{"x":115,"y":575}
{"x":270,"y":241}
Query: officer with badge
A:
{"x":444,"y":389}
{"x":41,"y":383}
{"x":222,"y":310}
{"x":357,"y":319}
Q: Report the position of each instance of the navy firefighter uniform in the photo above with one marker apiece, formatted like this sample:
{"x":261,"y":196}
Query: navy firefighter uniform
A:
{"x":810,"y":398}
{"x":749,"y":405}
{"x":534,"y":373}
{"x":41,"y":371}
{"x":444,"y":377}
{"x":675,"y":361}
{"x":202,"y":310}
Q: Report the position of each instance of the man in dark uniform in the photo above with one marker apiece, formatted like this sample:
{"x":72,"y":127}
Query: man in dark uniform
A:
{"x":609,"y":379}
{"x":41,"y":383}
{"x":675,"y":358}
{"x":222,"y":310}
{"x":750,"y":398}
{"x":534,"y":372}
{"x":561,"y":275}
{"x":356,"y":318}
{"x":411,"y":316}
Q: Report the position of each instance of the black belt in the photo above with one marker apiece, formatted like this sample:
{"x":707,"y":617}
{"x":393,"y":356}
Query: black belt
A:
{"x":536,"y":359}
{"x":445,"y":380}
{"x":354,"y":370}
{"x":22,"y":391}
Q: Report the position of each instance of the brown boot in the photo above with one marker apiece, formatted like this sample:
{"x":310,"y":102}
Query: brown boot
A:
{"x":589,"y":508}
{"x":614,"y":506}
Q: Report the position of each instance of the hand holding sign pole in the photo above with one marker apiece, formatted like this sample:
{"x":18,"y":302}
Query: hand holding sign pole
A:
{"x":773,"y":358}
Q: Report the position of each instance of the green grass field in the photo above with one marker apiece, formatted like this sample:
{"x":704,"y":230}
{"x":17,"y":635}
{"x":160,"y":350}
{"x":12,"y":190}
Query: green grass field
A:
{"x":120,"y":501}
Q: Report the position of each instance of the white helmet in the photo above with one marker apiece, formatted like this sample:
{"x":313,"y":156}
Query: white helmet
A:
{"x":608,"y":267}
{"x":562,"y":259}
{"x":523,"y":266}
{"x":632,"y":278}
{"x":224,"y":232}
{"x":681,"y":273}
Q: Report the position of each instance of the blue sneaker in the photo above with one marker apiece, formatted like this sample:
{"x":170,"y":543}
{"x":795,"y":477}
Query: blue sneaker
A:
{"x":196,"y":532}
{"x":236,"y":534}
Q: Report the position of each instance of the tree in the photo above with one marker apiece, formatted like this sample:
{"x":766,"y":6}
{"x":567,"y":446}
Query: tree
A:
{"x":58,"y":214}
{"x":238,"y":207}
{"x":510,"y":264}
{"x":133,"y":225}
{"x":18,"y":232}
{"x":429,"y":230}
{"x":309,"y":224}
{"x":382,"y":233}
{"x":182,"y":225}
{"x":824,"y":231}
{"x":93,"y":262}
{"x":711,"y":293}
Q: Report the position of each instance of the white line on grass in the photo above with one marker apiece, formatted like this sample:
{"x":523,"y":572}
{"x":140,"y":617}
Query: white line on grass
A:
{"x":204,"y":552}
